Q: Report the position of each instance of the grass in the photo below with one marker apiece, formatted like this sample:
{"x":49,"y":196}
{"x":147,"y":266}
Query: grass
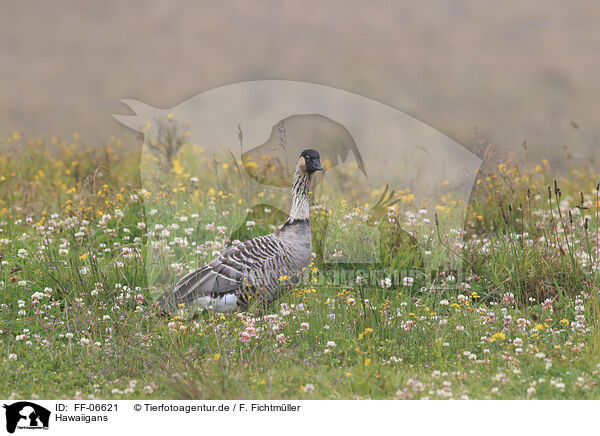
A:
{"x":84,"y":256}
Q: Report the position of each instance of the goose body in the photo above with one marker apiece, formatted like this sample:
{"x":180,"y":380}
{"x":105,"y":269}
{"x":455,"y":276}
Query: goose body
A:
{"x":254,"y":268}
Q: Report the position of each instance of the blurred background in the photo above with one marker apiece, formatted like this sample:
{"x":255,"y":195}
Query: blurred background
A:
{"x":481,"y":74}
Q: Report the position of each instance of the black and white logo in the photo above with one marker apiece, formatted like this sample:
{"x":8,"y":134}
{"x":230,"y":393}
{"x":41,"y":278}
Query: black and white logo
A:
{"x":26,"y":415}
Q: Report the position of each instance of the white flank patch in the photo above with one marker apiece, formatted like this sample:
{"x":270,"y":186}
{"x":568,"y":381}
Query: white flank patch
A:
{"x":226,"y":303}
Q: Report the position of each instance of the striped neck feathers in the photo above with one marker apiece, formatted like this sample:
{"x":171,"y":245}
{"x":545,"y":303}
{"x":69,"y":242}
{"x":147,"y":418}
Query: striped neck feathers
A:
{"x":300,"y":189}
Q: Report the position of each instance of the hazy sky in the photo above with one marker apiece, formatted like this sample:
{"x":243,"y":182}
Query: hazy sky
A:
{"x":512,"y":71}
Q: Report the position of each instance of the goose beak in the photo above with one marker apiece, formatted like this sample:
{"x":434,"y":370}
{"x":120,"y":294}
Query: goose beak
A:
{"x":318,"y":167}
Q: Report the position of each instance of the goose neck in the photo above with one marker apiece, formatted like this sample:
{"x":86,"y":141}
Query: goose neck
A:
{"x":300,"y":189}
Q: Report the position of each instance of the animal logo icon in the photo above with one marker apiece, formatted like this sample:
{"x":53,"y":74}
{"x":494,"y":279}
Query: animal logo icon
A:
{"x":26,"y":415}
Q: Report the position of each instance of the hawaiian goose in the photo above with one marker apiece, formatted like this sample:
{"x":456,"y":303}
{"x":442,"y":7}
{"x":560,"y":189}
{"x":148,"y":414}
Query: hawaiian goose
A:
{"x":254,"y":268}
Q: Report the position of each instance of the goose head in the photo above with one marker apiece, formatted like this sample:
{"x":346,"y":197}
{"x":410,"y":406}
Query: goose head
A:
{"x":310,"y":161}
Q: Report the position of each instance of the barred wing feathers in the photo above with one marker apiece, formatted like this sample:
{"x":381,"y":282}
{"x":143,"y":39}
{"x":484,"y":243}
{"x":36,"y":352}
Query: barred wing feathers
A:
{"x":221,"y":282}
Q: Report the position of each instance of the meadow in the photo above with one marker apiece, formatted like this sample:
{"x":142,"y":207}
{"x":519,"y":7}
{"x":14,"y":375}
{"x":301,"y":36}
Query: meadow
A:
{"x":78,"y":319}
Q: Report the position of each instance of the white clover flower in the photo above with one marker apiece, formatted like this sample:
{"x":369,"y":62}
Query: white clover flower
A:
{"x":386,"y":283}
{"x":37,"y":295}
{"x":148,"y":389}
{"x":12,"y":356}
{"x":331,"y":344}
{"x":309,"y":388}
{"x":444,"y":302}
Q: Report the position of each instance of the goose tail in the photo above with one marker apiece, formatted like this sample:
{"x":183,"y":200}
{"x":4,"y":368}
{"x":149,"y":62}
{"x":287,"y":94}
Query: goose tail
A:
{"x":187,"y":289}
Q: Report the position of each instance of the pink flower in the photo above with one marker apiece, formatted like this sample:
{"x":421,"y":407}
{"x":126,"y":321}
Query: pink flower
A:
{"x":351,"y":301}
{"x":245,"y":337}
{"x":508,"y":298}
{"x":304,"y":326}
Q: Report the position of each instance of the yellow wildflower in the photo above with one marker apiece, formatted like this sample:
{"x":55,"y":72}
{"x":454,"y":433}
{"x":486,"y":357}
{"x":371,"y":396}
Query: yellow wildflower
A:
{"x":498,"y":337}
